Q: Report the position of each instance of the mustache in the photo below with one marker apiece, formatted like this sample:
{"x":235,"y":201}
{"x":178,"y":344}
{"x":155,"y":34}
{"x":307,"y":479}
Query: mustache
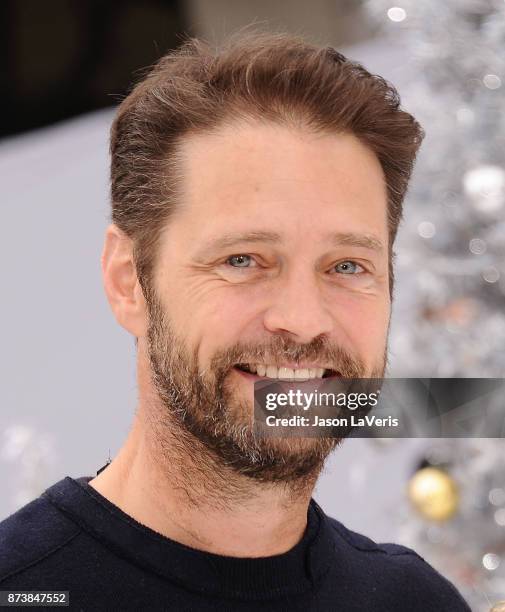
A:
{"x":275,"y":349}
{"x":280,"y":348}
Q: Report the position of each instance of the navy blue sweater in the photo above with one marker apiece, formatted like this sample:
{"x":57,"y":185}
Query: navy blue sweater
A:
{"x":73,"y":539}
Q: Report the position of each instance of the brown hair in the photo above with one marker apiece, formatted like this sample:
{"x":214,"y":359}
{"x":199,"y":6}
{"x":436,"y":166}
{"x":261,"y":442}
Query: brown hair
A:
{"x":275,"y":77}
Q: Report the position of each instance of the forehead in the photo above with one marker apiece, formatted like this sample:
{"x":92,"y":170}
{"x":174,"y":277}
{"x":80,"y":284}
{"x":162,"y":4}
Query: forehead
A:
{"x":246,"y":171}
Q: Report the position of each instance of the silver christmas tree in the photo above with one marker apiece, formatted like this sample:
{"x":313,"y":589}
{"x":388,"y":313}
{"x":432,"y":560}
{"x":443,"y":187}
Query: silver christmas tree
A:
{"x":450,"y":303}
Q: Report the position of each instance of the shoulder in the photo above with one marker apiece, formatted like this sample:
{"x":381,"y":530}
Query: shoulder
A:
{"x":399,"y":573}
{"x":32,"y":534}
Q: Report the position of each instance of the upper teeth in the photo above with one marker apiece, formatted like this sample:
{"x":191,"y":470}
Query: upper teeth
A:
{"x":271,"y":371}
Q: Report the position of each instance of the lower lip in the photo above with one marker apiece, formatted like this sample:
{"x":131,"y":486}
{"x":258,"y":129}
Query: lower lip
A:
{"x":248,"y":375}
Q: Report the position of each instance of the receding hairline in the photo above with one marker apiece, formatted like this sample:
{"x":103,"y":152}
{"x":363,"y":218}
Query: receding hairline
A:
{"x":181,"y":152}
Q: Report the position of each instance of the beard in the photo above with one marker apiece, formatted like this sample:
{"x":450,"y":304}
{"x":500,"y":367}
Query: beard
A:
{"x":204,"y":410}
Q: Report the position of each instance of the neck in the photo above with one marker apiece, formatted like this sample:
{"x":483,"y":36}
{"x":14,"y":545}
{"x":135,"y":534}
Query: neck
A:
{"x":171,"y":483}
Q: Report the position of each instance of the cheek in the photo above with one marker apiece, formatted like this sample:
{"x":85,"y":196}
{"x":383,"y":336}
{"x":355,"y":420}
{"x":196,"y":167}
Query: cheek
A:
{"x":215,"y":319}
{"x":365,"y":322}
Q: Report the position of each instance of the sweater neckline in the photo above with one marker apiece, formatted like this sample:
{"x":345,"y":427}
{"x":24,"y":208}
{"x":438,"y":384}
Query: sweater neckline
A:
{"x":299,"y":569}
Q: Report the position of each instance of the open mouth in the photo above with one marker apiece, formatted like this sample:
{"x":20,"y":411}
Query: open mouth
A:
{"x":285,"y":373}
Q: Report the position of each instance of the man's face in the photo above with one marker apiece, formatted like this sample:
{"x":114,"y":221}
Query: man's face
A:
{"x":277,"y":256}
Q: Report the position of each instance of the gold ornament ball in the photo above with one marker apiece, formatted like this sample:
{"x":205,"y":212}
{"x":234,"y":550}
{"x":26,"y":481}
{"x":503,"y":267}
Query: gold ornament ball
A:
{"x":434,"y":493}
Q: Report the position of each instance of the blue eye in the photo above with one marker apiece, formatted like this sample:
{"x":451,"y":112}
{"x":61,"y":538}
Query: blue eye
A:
{"x":348,"y":267}
{"x":242,"y":261}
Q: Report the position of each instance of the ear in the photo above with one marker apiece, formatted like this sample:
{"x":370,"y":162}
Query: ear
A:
{"x":121,"y":283}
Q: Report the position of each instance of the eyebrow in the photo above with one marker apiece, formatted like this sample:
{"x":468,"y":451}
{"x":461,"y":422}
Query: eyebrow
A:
{"x":366,"y":241}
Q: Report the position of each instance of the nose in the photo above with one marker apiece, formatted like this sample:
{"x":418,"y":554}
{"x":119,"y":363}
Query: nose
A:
{"x":297,"y":308}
